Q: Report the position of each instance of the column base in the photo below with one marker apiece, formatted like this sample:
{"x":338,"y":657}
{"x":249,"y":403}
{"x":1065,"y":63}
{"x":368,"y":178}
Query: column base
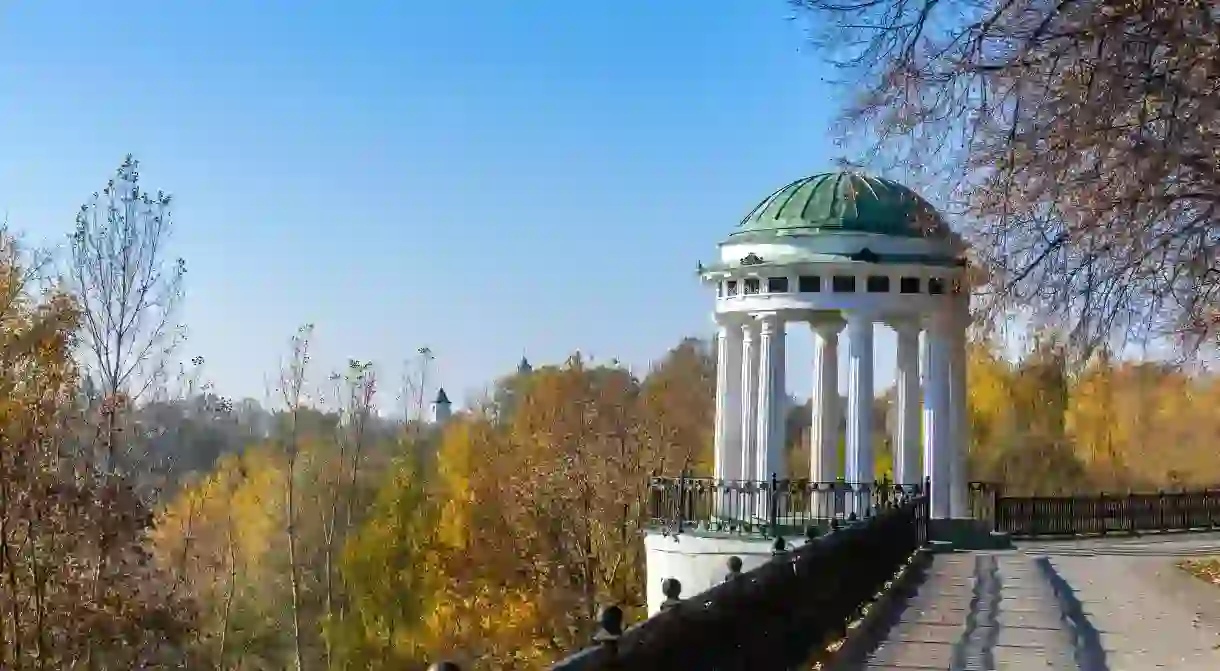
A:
{"x":967,"y":534}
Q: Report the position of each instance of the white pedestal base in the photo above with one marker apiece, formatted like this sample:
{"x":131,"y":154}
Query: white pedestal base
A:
{"x":700,"y":562}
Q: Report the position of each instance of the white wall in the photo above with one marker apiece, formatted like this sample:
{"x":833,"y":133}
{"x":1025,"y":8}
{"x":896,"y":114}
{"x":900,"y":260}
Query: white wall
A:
{"x":698,"y":562}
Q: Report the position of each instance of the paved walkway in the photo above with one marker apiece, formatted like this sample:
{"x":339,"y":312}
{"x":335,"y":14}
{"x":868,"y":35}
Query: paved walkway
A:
{"x":979,"y":611}
{"x":1097,"y":605}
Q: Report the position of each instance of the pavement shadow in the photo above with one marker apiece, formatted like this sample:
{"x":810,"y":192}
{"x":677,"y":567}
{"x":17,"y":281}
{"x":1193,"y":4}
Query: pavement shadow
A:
{"x":978,"y":639}
{"x":1087,"y":648}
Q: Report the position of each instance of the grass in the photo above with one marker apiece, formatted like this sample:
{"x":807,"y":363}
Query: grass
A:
{"x":1206,"y":569}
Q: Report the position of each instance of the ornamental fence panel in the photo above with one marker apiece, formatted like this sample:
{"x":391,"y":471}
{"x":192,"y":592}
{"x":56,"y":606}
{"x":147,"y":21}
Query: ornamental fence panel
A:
{"x":774,"y":507}
{"x":1104,"y":513}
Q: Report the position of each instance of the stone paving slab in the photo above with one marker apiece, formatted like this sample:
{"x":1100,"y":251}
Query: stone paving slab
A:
{"x":1141,"y":623}
{"x":1009,"y":657}
{"x":908,"y":655}
{"x":923,"y":633}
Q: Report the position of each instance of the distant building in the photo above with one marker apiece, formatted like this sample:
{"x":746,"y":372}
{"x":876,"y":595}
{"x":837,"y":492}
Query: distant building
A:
{"x":441,"y":408}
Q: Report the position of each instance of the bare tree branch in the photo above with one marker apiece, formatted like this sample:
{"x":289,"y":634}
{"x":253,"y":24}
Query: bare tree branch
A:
{"x":129,"y":291}
{"x":1078,"y":142}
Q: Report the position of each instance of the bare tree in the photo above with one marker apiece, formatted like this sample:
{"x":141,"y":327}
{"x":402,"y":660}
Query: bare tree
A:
{"x":1076,"y":139}
{"x":415,"y":384}
{"x":292,"y":391}
{"x":129,"y":290}
{"x":354,"y":393}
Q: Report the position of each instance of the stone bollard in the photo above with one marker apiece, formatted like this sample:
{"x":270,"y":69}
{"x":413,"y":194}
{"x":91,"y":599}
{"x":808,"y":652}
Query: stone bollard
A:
{"x":672,"y":589}
{"x":779,"y":548}
{"x":734,"y":568}
{"x":835,"y":525}
{"x":812,"y":533}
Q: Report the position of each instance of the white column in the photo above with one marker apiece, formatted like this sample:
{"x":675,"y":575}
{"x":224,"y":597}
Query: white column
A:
{"x":779,"y":403}
{"x":859,"y":404}
{"x":749,"y":399}
{"x":936,"y":421}
{"x":906,"y":418}
{"x":959,"y":419}
{"x":764,"y":442}
{"x":728,"y":402}
{"x":824,"y":433}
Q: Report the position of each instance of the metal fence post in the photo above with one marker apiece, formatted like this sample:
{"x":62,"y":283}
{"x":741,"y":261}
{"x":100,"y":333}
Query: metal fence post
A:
{"x":681,"y":500}
{"x":779,"y":548}
{"x":774,"y":507}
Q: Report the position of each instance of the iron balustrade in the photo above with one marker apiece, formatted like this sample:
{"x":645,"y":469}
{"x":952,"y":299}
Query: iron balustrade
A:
{"x":1102,"y":513}
{"x":780,"y":615}
{"x":774,"y":507}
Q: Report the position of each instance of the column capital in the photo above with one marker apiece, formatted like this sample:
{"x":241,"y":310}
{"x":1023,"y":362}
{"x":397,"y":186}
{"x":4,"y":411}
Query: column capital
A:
{"x":748,"y":329}
{"x":857,"y":317}
{"x":905,"y":325}
{"x":769,"y":322}
{"x":827,"y":326}
{"x":725,"y":324}
{"x":937,"y":322}
{"x":728,"y":319}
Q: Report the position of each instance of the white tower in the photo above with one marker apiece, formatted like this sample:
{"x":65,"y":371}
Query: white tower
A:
{"x":441,"y":408}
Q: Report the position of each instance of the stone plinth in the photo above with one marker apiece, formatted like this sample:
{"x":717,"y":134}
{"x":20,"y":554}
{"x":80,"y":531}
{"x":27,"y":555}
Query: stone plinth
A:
{"x":700,"y":561}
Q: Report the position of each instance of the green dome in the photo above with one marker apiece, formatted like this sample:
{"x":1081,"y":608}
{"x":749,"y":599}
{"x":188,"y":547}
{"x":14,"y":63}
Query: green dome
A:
{"x":843,"y":202}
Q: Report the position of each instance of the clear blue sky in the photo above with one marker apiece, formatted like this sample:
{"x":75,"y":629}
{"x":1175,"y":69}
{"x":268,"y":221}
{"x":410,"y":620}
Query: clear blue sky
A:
{"x":485,"y":178}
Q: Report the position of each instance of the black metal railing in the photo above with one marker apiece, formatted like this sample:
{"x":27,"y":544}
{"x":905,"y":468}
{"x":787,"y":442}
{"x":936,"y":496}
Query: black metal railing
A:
{"x":1100,"y":514}
{"x":982,"y":498}
{"x":778,"y":616}
{"x":768,"y":507}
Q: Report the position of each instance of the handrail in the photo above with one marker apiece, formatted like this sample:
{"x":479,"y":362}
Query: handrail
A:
{"x":780,"y":614}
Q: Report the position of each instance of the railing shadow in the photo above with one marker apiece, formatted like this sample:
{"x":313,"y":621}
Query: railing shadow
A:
{"x":1089,"y":653}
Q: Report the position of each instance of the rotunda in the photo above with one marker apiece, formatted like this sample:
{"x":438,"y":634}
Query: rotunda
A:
{"x":841,"y":252}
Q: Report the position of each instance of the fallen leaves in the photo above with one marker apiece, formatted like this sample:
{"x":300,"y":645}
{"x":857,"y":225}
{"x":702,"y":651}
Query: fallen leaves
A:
{"x":1206,"y":569}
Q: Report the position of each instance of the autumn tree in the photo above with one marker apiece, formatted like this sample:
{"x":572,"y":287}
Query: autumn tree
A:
{"x":293,"y":378}
{"x":76,"y":590}
{"x":129,"y":288}
{"x":678,"y":405}
{"x":355,"y":394}
{"x":1076,"y":140}
{"x":391,"y":577}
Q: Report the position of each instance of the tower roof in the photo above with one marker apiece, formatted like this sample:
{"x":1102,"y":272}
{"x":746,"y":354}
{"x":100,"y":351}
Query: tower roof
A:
{"x":841,"y":202}
{"x":441,"y":397}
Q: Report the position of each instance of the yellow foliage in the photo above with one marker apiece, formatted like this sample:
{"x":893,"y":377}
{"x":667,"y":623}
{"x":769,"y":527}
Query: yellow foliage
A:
{"x":453,"y":472}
